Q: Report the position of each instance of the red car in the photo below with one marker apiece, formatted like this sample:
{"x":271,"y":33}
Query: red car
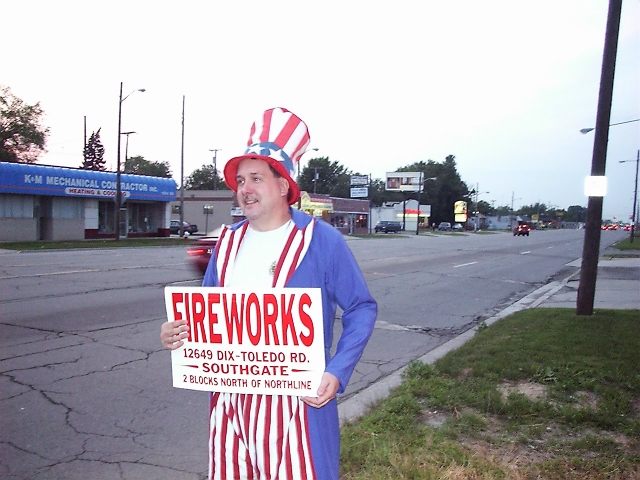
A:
{"x":523,"y":229}
{"x":202,"y":249}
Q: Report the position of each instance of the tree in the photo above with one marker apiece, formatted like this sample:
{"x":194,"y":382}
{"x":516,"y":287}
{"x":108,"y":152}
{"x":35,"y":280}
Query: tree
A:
{"x":485,"y":208}
{"x":323,"y":176}
{"x":139,"y":166}
{"x":576,"y":213}
{"x":535,"y":209}
{"x":502,"y":211}
{"x":22,"y":137}
{"x":444,"y":191}
{"x":94,"y":154}
{"x":205,"y":178}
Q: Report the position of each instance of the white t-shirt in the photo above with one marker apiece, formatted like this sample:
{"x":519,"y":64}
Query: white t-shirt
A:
{"x":257,"y":257}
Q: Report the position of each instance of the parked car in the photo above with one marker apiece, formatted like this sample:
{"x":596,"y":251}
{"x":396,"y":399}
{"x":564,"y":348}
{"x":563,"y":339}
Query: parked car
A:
{"x":387,"y":226}
{"x":523,"y":229}
{"x":200,"y":252}
{"x":444,"y":226}
{"x":458,"y":227}
{"x":174,"y":228}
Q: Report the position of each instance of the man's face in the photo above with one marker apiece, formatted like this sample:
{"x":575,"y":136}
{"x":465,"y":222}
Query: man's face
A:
{"x":260,"y":194}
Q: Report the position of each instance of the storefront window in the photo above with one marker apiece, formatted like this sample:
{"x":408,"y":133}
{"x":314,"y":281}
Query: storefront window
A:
{"x":106,"y":217}
{"x":142,"y":218}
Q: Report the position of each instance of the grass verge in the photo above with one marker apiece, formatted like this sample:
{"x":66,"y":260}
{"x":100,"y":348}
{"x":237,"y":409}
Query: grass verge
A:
{"x":542,"y":393}
{"x":627,"y":245}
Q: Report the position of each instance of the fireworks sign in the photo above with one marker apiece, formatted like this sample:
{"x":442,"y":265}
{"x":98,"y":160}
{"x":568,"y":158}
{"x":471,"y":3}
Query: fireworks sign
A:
{"x":267,"y":341}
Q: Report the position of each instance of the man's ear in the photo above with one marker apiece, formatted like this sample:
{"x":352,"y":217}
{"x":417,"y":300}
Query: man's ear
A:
{"x":284,"y":187}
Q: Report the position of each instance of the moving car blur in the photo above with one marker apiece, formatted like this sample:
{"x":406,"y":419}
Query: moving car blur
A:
{"x":202,"y":249}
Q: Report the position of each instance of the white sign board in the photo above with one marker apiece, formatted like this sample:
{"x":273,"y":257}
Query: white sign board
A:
{"x":359,"y":180}
{"x":595,"y":186}
{"x":360,"y":192}
{"x":268,"y":341}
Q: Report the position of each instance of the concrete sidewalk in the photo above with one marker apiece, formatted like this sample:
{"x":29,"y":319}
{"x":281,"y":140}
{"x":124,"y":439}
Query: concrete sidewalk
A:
{"x":617,"y":287}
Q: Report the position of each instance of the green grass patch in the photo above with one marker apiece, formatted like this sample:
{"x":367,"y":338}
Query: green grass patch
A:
{"x":542,"y":393}
{"x":629,"y":246}
{"x":105,"y":243}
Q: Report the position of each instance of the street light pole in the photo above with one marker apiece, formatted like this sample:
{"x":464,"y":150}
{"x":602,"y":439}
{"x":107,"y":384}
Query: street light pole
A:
{"x":118,"y":185}
{"x":215,"y":165}
{"x":419,"y":196}
{"x":635,"y":195}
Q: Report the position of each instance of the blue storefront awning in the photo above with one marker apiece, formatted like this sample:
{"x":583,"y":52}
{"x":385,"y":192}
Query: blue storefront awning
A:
{"x":29,"y":179}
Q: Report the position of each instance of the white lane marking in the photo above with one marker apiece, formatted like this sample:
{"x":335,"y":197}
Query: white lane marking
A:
{"x":464,"y":264}
{"x":525,"y":253}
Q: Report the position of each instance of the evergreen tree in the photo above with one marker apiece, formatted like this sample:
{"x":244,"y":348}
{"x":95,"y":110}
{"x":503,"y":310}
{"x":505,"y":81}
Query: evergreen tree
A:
{"x":94,"y":154}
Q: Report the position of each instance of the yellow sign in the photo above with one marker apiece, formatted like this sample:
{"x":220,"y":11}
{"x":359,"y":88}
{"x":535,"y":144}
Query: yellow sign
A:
{"x":315,"y":206}
{"x":460,"y":211}
{"x":460,"y":207}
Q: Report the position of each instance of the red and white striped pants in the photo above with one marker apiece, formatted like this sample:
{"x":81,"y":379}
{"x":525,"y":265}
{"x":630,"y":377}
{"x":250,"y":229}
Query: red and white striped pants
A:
{"x":258,"y":437}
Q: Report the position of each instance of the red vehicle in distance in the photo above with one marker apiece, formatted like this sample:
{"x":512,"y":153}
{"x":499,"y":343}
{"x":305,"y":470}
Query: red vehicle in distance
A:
{"x":522,"y":229}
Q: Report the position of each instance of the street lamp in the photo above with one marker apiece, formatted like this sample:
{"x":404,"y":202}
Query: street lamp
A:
{"x":118,"y":188}
{"x":419,"y":192}
{"x":300,"y":159}
{"x":635,"y":195}
{"x":587,"y":130}
{"x":215,"y":168}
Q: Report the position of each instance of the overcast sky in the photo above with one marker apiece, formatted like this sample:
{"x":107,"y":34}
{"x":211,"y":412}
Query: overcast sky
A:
{"x":504,"y":85}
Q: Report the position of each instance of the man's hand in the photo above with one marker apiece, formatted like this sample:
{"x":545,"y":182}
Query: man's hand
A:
{"x":326,"y":391}
{"x":172,"y":334}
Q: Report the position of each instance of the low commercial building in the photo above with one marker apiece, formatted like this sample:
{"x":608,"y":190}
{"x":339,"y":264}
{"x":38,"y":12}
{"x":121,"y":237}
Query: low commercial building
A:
{"x":208,"y":209}
{"x":40,"y":202}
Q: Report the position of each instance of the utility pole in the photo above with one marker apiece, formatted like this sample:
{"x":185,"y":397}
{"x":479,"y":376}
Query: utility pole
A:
{"x":315,"y":179}
{"x":182,"y":176}
{"x":591,"y":247}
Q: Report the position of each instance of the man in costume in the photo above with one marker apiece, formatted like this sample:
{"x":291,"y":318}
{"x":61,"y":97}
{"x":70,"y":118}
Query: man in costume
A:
{"x":255,"y":436}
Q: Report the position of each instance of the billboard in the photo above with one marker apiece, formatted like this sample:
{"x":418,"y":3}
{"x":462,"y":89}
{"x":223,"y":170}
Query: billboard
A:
{"x":404,"y":181}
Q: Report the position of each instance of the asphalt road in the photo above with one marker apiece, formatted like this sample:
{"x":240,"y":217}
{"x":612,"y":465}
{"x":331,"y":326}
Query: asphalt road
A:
{"x":85,"y":388}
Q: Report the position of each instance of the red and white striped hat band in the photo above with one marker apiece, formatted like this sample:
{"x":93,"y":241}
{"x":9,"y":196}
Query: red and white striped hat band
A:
{"x":278,"y":137}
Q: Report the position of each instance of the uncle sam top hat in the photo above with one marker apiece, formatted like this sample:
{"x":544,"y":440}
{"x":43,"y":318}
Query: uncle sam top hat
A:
{"x":279,"y":138}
